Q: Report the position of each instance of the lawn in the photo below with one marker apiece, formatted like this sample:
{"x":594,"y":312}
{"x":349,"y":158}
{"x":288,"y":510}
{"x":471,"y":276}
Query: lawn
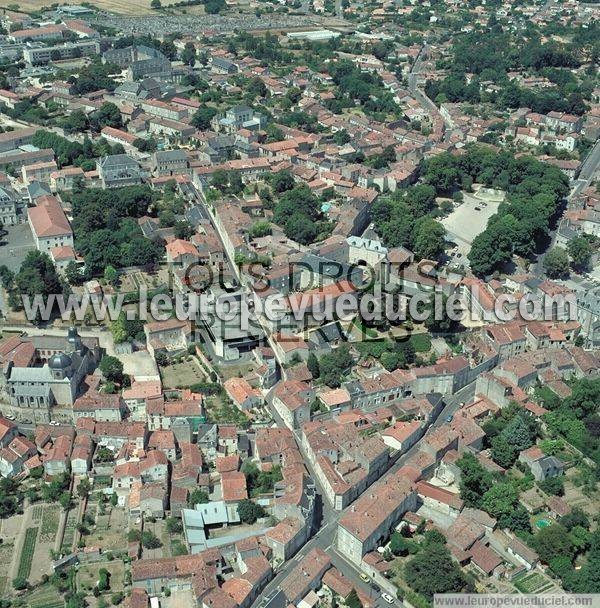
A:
{"x":87,"y":576}
{"x":45,"y":596}
{"x":182,"y":375}
{"x":27,"y":553}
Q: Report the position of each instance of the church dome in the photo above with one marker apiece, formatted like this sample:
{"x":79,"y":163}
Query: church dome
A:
{"x":59,"y":361}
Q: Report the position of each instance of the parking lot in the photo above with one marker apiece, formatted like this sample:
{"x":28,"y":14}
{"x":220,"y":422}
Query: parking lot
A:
{"x":15,"y":244}
{"x":467,"y":221}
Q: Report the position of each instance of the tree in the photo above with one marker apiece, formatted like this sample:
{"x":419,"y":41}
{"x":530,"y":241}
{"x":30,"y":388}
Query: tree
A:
{"x":249,"y":511}
{"x":429,"y":238}
{"x":188,"y":55}
{"x":183,"y":230}
{"x":552,"y":541}
{"x":313,"y":365}
{"x":150,"y":540}
{"x":333,"y":365}
{"x":174,"y":525}
{"x":352,"y":600}
{"x":202,"y":117}
{"x":475,"y":481}
{"x":112,"y":369}
{"x":84,"y":487}
{"x":103,"y":579}
{"x":580,"y":250}
{"x":500,"y":499}
{"x":433,"y":571}
{"x":197,"y":496}
{"x":110,"y":275}
{"x":553,"y":485}
{"x":155,"y":4}
{"x":556,"y":263}
{"x":108,"y":115}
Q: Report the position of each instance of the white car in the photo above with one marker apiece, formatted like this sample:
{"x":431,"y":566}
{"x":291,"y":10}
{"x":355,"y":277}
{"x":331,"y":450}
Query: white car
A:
{"x":387,"y":598}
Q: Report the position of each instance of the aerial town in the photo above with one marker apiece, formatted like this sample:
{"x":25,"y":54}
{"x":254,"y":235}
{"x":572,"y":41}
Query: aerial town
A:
{"x":299,"y":302}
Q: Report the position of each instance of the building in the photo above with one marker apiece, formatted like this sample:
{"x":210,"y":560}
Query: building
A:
{"x":292,"y":399}
{"x":371,"y":518}
{"x":169,"y":162}
{"x":42,"y":55}
{"x":118,"y":170}
{"x":49,"y":224}
{"x":10,"y":207}
{"x":41,"y":372}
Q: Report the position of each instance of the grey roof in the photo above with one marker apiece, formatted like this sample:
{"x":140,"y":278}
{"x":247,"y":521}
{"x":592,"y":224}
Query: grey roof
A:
{"x":30,"y":374}
{"x":117,"y":160}
{"x":60,"y":361}
{"x":171,"y":155}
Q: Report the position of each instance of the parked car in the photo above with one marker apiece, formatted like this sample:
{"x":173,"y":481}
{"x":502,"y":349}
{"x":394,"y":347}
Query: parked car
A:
{"x":364,"y":577}
{"x":387,"y":598}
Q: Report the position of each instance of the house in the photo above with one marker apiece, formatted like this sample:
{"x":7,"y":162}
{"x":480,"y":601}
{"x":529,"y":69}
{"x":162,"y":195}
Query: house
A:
{"x":169,"y":162}
{"x":370,"y":519}
{"x":292,"y":399}
{"x":522,"y":553}
{"x":118,"y":170}
{"x":81,"y":456}
{"x":14,"y":456}
{"x":182,"y":253}
{"x":402,"y":435}
{"x":486,"y":560}
{"x":99,"y":406}
{"x":439,"y":499}
{"x":8,"y":429}
{"x":290,"y":348}
{"x":306,"y":575}
{"x":10,"y":206}
{"x":542,"y":466}
{"x":56,"y":460}
{"x":49,"y":224}
{"x":242,"y":394}
{"x":169,"y":336}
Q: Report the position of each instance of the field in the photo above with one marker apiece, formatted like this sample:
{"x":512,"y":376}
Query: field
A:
{"x":49,"y":525}
{"x":533,"y":582}
{"x":121,"y":7}
{"x":27,"y":553}
{"x":45,"y":596}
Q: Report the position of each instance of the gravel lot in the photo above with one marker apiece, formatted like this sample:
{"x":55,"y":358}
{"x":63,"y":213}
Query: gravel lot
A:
{"x":466,"y":222}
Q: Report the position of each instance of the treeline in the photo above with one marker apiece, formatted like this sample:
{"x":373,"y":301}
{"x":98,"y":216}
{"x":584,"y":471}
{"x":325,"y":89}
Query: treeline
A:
{"x":106,"y":230}
{"x":533,"y":189}
{"x":69,"y":152}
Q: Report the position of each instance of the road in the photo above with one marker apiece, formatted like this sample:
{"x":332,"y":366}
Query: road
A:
{"x":325,"y":537}
{"x":420,"y":96}
{"x":588,"y":172}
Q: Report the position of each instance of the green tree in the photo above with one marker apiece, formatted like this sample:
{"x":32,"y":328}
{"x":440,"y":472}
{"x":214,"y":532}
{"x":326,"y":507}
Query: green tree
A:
{"x":580,"y":250}
{"x":552,"y":541}
{"x":249,"y":511}
{"x":110,"y":275}
{"x":197,"y":496}
{"x":112,"y":369}
{"x":150,"y":540}
{"x":556,"y":263}
{"x":352,"y":600}
{"x":313,"y":365}
{"x":202,"y":117}
{"x":434,"y":571}
{"x":188,"y":55}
